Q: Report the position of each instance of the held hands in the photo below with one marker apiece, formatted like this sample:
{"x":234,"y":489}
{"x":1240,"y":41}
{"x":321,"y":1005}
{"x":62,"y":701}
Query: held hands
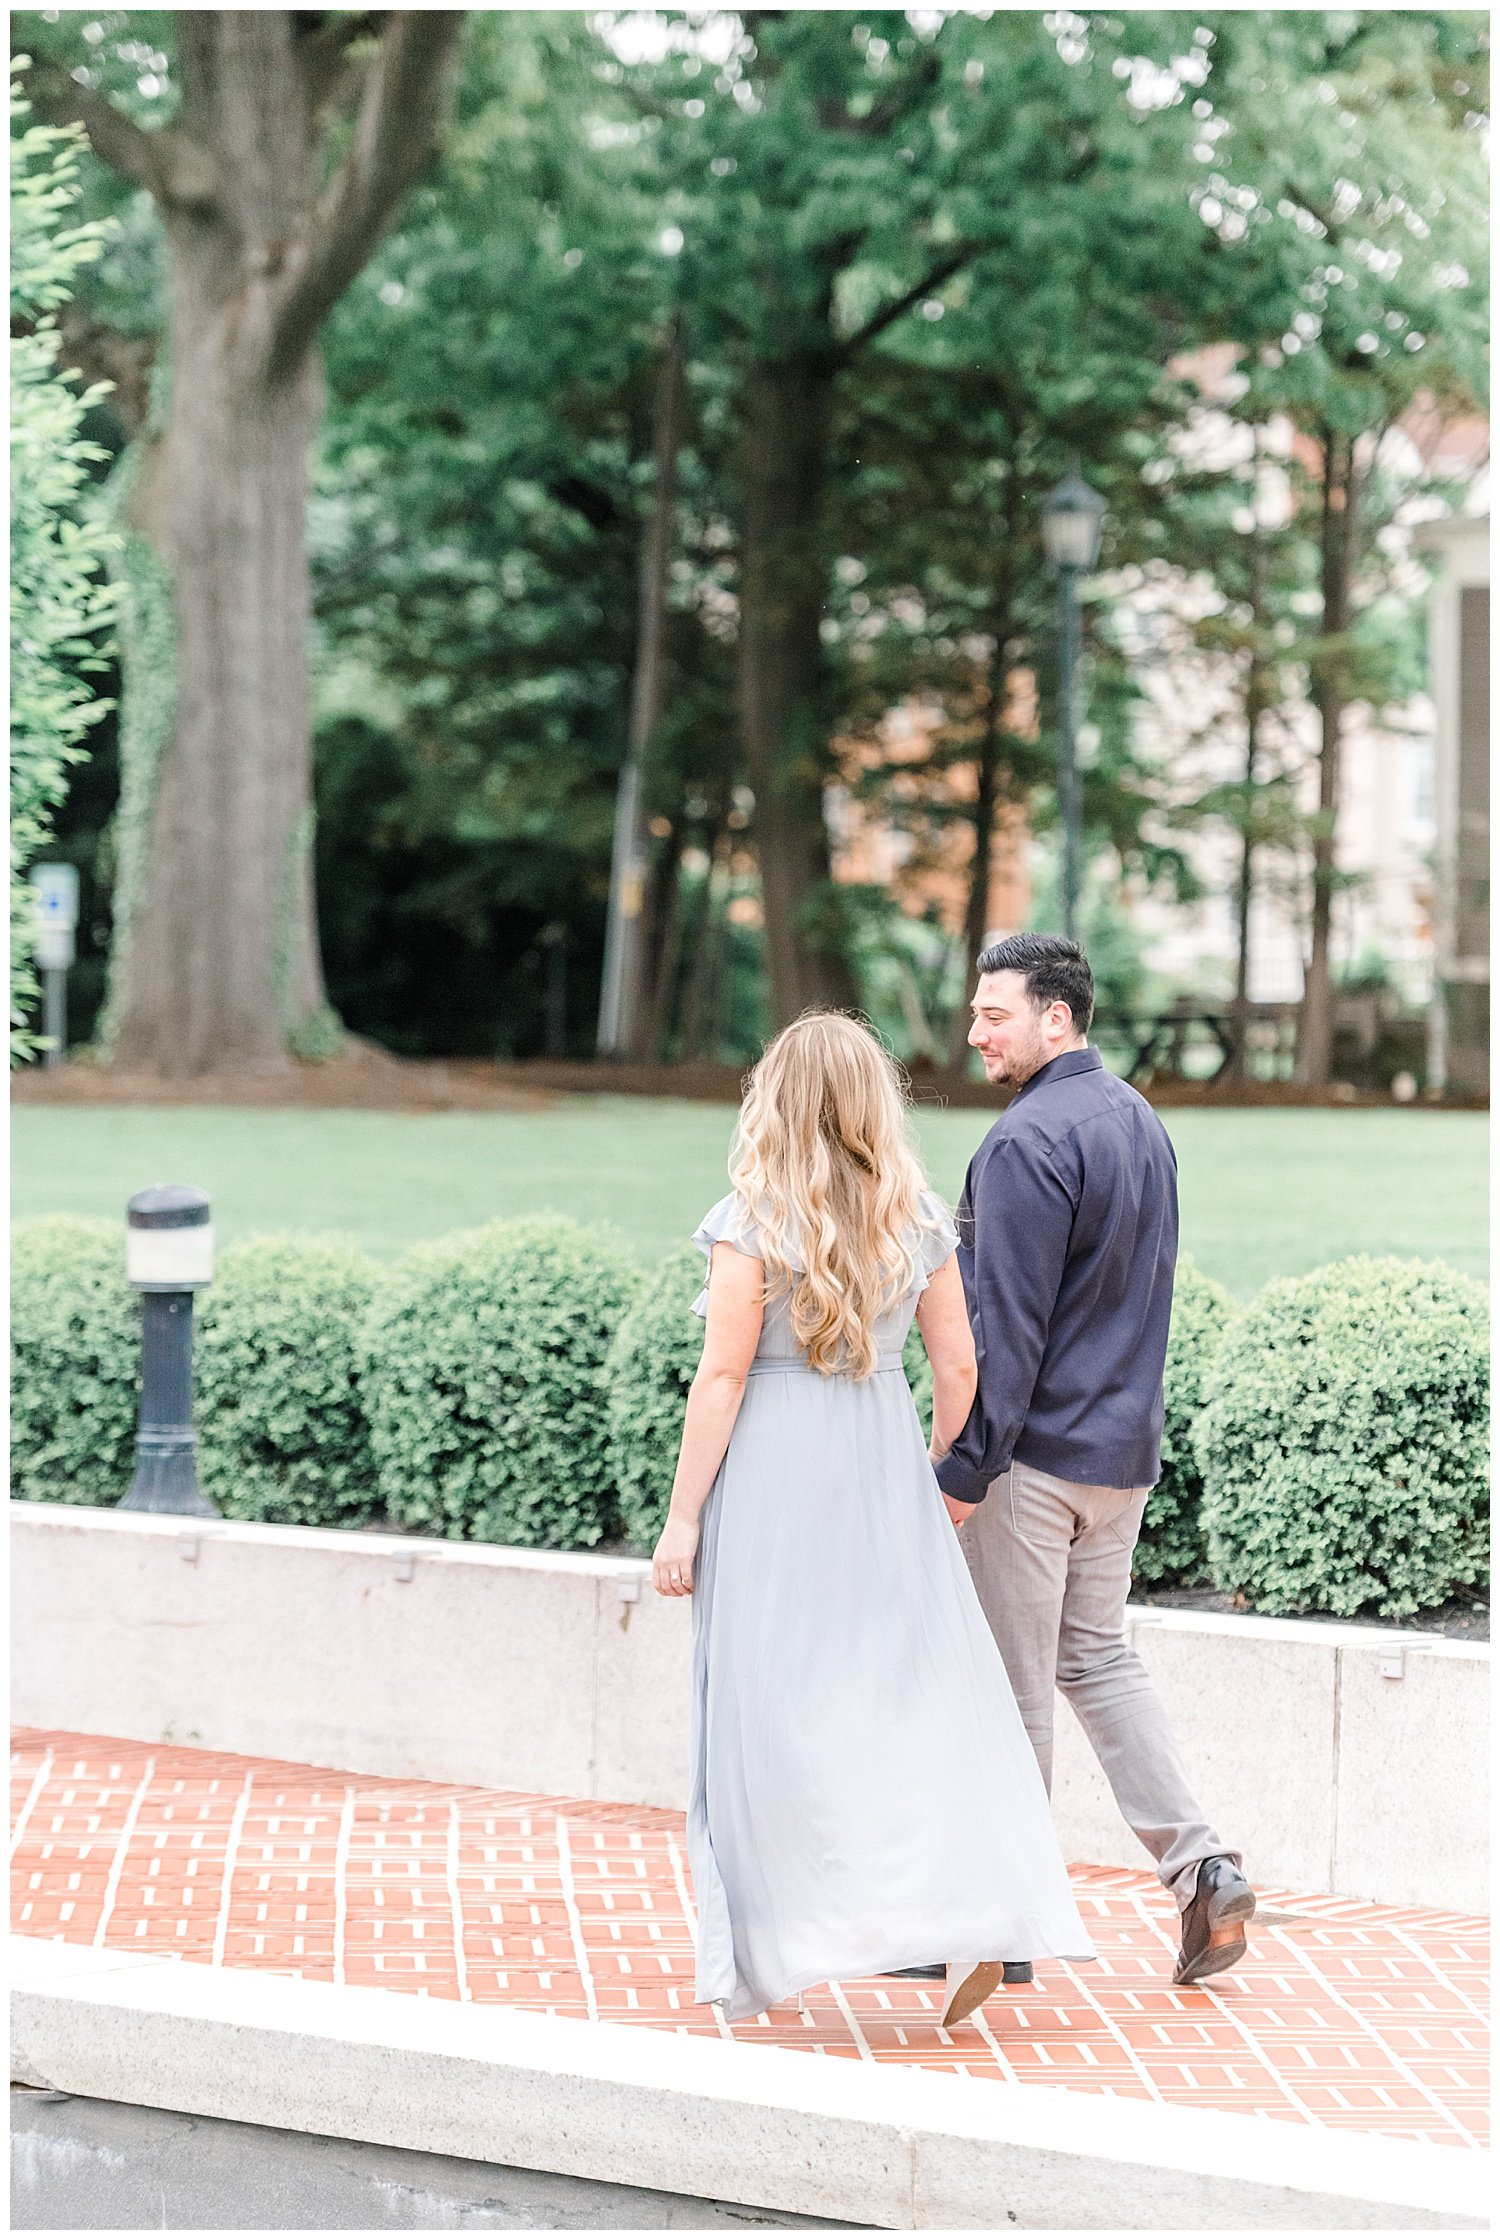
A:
{"x":959,"y":1511}
{"x":672,"y":1564}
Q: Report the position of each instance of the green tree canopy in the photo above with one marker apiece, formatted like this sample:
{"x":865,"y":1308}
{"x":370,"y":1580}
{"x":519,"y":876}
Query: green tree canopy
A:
{"x":918,"y":262}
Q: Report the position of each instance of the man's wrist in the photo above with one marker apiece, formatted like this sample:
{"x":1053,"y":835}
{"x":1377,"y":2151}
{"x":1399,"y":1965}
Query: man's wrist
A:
{"x":959,"y":1479}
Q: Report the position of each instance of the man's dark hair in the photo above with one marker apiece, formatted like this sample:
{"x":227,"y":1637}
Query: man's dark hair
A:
{"x":1056,"y":971}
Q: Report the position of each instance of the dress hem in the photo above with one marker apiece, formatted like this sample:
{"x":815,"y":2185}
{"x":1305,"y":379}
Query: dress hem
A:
{"x":883,"y":1965}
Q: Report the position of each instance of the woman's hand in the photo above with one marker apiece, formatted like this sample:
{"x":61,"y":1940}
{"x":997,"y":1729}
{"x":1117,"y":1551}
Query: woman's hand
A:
{"x":672,"y":1564}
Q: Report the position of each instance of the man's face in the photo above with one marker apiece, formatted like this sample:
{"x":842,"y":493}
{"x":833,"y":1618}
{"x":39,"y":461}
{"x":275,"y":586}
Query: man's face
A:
{"x":1012,"y":1036}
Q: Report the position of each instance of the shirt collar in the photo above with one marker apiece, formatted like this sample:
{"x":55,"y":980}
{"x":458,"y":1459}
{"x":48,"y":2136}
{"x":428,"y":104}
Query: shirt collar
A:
{"x":1086,"y":1060}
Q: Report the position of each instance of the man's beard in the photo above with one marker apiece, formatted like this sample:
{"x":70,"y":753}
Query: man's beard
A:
{"x":1018,"y":1069}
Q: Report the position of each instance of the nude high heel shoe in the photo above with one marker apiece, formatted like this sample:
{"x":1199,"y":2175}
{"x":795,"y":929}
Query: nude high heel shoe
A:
{"x":968,"y":1988}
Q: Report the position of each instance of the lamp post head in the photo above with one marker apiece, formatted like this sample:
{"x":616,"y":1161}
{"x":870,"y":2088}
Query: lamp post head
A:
{"x":1072,"y":516}
{"x":169,"y":1239}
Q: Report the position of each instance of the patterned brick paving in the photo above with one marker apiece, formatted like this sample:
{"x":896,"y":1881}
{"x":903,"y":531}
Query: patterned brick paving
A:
{"x":1366,"y":2018}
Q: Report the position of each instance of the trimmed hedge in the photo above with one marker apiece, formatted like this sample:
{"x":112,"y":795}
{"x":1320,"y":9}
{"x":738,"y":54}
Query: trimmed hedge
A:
{"x":483,"y":1368}
{"x":75,"y":1361}
{"x":1171,"y":1550}
{"x":1343,"y":1446}
{"x":282,"y":1433}
{"x":524,"y":1384}
{"x":650,"y":1366}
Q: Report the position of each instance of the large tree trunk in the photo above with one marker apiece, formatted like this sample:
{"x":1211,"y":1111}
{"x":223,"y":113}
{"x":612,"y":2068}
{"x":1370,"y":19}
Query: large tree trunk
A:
{"x":219,"y":966}
{"x":216,"y":960}
{"x":1314,"y":1060}
{"x":986,"y":801}
{"x":988,"y":763}
{"x":787,"y":410}
{"x":624,"y":1023}
{"x":663,"y":942}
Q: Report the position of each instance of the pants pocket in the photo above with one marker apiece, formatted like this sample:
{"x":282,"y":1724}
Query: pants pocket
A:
{"x":1125,"y":1524}
{"x":1019,"y":1511}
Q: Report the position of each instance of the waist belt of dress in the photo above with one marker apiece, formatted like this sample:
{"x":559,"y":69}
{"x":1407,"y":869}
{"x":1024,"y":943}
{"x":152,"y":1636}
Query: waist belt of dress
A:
{"x":884,"y":1364}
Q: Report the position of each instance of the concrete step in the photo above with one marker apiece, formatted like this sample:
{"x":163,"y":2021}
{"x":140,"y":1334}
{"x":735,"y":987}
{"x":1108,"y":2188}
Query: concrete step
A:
{"x":899,"y":2150}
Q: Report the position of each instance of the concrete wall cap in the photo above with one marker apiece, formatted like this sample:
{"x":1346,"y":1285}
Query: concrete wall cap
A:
{"x":58,"y":1516}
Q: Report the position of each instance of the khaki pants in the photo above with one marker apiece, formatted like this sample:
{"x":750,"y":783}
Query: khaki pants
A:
{"x":1051,"y":1563}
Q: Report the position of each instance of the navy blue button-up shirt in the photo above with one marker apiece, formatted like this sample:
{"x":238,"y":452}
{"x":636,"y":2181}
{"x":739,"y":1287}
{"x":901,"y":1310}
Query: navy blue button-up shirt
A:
{"x":1067,"y":1243}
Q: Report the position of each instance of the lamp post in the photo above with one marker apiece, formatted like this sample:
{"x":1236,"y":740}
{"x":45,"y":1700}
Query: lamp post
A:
{"x":169,"y":1254}
{"x":54,"y":888}
{"x":1072,"y":515}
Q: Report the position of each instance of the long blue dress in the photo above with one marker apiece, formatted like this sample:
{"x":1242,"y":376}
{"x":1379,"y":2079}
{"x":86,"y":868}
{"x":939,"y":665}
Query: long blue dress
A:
{"x":864,"y":1794}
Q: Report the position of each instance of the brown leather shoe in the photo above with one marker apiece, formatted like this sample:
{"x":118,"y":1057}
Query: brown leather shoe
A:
{"x":969,"y":1988}
{"x":1213,"y":1925}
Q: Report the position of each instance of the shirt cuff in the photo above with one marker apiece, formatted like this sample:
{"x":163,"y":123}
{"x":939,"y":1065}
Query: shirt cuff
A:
{"x":955,"y":1477}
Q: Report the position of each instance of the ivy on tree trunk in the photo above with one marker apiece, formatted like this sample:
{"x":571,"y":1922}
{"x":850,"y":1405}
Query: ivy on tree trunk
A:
{"x":217,"y":963}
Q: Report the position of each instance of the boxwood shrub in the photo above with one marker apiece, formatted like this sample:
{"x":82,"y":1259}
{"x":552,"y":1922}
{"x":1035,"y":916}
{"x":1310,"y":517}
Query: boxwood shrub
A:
{"x":1344,"y":1438}
{"x":651,"y":1364}
{"x":282,"y":1433}
{"x":1171,"y":1551}
{"x":485,"y":1386}
{"x":75,"y":1361}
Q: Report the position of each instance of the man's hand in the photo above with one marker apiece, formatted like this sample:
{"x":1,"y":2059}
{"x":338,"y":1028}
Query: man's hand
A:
{"x":959,"y":1511}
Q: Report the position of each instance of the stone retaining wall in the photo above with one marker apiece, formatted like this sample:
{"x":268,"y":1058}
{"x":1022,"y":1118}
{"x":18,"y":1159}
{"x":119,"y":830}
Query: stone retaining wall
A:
{"x":1342,"y":1758}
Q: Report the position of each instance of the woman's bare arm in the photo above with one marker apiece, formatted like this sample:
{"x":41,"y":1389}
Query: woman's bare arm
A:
{"x":735,"y":1307}
{"x":943,"y":1319}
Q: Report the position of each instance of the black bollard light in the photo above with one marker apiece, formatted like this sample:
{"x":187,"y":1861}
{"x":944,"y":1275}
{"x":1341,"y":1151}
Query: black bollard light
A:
{"x":169,"y":1254}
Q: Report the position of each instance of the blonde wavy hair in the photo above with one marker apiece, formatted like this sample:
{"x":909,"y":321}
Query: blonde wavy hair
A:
{"x":823,"y":1166}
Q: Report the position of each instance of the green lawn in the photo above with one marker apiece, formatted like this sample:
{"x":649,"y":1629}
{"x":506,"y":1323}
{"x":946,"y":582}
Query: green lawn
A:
{"x":1263,"y":1193}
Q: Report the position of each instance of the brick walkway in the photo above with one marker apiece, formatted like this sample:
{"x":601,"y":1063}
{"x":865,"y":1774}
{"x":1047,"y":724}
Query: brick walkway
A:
{"x":1367,"y":2018}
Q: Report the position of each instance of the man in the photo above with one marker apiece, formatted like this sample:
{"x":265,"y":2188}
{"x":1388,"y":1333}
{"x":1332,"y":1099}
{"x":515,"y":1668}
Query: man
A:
{"x":1068,"y":1244}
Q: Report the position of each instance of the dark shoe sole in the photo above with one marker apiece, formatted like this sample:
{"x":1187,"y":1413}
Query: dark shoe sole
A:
{"x":1018,"y":1971}
{"x":1227,"y":1912}
{"x":937,"y":1973}
{"x":971,"y":1991}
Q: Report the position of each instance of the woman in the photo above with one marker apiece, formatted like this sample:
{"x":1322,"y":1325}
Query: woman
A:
{"x":864,"y":1797}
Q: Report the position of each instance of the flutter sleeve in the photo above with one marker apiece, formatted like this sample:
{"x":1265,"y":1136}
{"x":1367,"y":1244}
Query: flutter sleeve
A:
{"x":939,"y":1236}
{"x":725,"y":1223}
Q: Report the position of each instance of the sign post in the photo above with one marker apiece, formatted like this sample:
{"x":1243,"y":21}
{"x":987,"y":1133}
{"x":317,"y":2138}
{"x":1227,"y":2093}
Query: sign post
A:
{"x":55,"y":887}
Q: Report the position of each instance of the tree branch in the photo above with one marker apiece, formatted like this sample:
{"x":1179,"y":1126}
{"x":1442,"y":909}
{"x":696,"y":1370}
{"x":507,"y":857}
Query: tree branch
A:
{"x":174,"y":168}
{"x":958,"y":256}
{"x":395,"y":137}
{"x":322,"y":54}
